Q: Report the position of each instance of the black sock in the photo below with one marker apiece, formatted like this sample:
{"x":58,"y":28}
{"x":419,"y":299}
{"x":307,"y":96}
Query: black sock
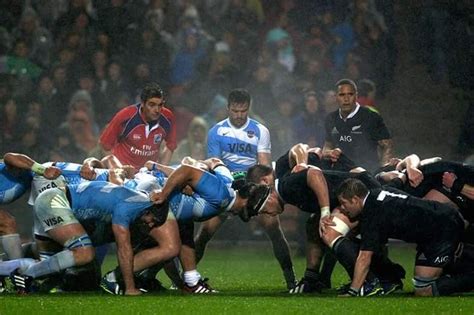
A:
{"x":311,"y":274}
{"x":447,"y":285}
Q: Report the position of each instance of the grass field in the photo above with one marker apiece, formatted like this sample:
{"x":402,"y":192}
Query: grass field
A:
{"x":250,"y":282}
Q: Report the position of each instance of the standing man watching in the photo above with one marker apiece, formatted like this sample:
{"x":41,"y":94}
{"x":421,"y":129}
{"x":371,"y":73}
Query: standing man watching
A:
{"x":356,"y":131}
{"x":135,"y":133}
{"x":241,"y":142}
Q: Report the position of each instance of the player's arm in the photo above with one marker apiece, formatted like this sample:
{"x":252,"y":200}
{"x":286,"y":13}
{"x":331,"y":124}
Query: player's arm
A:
{"x":298,"y":154}
{"x":24,"y":162}
{"x":412,"y":163}
{"x":457,"y":186}
{"x":166,"y":155}
{"x":264,"y":147}
{"x":316,"y":181}
{"x":385,"y":147}
{"x":264,"y":158}
{"x":88,"y":166}
{"x":125,"y":257}
{"x":182,"y":176}
{"x":154,"y":166}
{"x":361,"y":269}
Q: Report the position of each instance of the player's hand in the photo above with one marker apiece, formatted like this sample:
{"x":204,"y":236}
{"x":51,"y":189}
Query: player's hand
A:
{"x":448,"y":179}
{"x":187,"y":190}
{"x":129,"y":170}
{"x":133,"y":291}
{"x":415,"y":176}
{"x":51,"y":172}
{"x":87,"y":172}
{"x":157,"y":197}
{"x":324,"y":223}
{"x":334,"y":155}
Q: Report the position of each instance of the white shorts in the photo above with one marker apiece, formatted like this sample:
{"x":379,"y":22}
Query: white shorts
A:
{"x":52,"y":210}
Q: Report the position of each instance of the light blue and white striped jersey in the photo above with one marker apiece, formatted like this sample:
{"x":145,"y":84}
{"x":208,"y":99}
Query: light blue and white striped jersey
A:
{"x":12,"y":186}
{"x":238,"y":147}
{"x":70,"y":174}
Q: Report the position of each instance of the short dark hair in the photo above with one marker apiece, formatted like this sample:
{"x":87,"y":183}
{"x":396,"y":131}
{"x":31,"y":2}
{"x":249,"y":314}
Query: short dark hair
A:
{"x":346,"y":82}
{"x":151,"y":90}
{"x":256,"y":172}
{"x":238,"y":96}
{"x":256,"y":195}
{"x":365,"y":87}
{"x":350,"y":188}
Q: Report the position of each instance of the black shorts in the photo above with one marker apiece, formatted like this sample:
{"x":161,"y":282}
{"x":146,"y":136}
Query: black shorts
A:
{"x":435,"y":254}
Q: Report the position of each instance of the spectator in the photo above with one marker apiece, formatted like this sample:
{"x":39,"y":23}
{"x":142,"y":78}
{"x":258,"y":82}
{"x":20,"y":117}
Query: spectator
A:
{"x":308,"y":125}
{"x":195,"y":144}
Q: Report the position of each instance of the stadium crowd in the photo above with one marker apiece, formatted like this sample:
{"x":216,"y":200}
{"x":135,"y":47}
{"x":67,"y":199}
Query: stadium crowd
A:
{"x":71,"y":69}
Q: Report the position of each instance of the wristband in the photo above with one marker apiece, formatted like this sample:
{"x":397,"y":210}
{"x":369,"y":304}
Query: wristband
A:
{"x":38,"y":168}
{"x":457,"y":186}
{"x":325,"y":211}
{"x":352,"y":291}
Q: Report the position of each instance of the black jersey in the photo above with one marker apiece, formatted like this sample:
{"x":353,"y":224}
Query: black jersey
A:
{"x":293,"y":188}
{"x":357,"y":136}
{"x":391,"y":213}
{"x":344,"y":164}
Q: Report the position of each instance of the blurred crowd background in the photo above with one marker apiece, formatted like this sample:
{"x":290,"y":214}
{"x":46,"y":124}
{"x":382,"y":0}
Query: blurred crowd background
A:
{"x":66,"y":66}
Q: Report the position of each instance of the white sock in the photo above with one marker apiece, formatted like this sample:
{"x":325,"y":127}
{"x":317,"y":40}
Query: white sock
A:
{"x":7,"y":267}
{"x":191,"y":277}
{"x":11,"y":244}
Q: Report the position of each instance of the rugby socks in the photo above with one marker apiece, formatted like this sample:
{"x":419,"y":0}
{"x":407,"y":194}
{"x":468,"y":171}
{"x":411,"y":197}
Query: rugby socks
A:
{"x":311,"y":275}
{"x":192,"y":277}
{"x":328,"y":266}
{"x":7,"y":267}
{"x":447,"y":285}
{"x":11,"y":244}
{"x":346,"y":252}
{"x":290,"y":278}
{"x":56,"y":263}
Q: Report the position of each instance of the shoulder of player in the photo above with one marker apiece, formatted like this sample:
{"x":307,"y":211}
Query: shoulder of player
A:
{"x":167,"y":112}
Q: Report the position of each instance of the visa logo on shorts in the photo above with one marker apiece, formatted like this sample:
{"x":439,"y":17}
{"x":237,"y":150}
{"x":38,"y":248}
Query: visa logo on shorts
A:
{"x":53,"y":221}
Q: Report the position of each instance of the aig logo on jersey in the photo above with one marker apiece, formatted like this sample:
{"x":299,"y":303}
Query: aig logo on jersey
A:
{"x":157,"y":138}
{"x":344,"y":138}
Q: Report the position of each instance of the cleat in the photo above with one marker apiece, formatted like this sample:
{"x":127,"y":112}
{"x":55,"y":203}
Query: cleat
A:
{"x":372,"y":288}
{"x":391,"y":287}
{"x":202,"y":287}
{"x":22,"y":283}
{"x":3,"y":285}
{"x":111,"y":287}
{"x":343,"y":289}
{"x":307,"y":286}
{"x":150,"y":285}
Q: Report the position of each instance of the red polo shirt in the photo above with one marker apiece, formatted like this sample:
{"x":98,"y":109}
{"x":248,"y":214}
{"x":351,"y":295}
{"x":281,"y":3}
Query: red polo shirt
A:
{"x":134,"y":141}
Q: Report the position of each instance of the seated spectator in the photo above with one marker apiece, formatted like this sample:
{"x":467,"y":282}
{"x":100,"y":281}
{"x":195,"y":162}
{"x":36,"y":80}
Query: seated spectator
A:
{"x":195,"y":144}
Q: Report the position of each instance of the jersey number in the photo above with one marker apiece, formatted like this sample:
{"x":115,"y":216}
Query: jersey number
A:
{"x":384,"y":194}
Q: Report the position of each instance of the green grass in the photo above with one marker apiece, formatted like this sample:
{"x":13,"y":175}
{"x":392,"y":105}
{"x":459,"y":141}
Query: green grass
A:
{"x":250,"y":282}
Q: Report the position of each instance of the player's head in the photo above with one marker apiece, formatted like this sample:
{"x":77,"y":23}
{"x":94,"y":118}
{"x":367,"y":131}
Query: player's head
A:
{"x":351,"y":194}
{"x":238,"y":105}
{"x":256,"y":196}
{"x":155,"y":215}
{"x":152,"y":101}
{"x":260,"y":174}
{"x":346,"y":95}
